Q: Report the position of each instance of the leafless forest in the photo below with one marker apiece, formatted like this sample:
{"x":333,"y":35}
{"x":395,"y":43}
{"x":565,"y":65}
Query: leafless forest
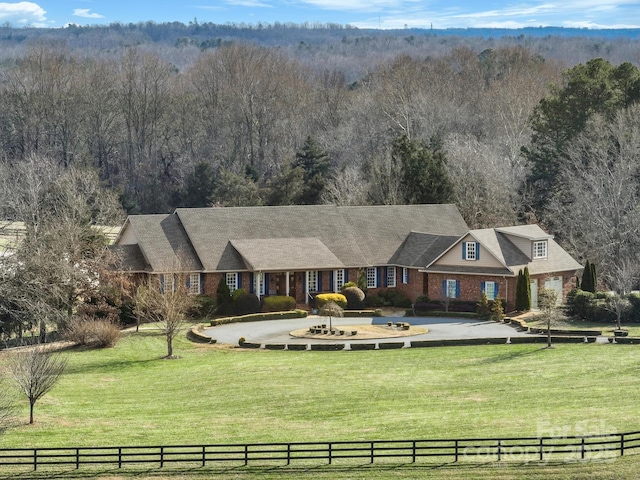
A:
{"x":172,"y":115}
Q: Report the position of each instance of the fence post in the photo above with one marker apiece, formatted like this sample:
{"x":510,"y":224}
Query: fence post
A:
{"x":413,"y":457}
{"x":77,"y":458}
{"x":582,"y":449}
{"x":246,"y":455}
{"x":119,"y":457}
{"x":330,"y":453}
{"x":288,"y":453}
{"x":499,"y":450}
{"x":372,"y":454}
{"x":161,"y":457}
{"x":541,"y":448}
{"x":204,"y":455}
{"x":35,"y":459}
{"x":622,"y":444}
{"x":456,"y":446}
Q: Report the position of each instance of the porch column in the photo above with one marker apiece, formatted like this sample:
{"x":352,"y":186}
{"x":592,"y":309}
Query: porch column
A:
{"x":257,"y":278}
{"x":306,"y":288}
{"x":287,"y":283}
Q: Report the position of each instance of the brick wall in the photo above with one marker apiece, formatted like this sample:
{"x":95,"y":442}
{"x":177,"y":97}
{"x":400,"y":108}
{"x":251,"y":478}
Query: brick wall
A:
{"x":471,"y":287}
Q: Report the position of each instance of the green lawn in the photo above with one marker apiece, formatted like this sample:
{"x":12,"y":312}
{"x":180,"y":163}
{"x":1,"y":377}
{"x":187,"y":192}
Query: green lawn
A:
{"x":571,"y":324}
{"x":128,"y":395}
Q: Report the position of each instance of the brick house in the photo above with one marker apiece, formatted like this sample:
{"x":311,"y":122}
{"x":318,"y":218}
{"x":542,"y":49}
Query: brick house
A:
{"x":303,"y":250}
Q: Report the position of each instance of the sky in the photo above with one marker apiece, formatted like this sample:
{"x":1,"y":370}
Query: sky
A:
{"x":385,"y":14}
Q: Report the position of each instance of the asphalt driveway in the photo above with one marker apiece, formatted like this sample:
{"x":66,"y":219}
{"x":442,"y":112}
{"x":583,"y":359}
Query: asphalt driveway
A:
{"x":277,"y":331}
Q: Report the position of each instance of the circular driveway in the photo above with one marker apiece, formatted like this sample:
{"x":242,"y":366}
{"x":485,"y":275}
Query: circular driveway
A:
{"x":277,"y":331}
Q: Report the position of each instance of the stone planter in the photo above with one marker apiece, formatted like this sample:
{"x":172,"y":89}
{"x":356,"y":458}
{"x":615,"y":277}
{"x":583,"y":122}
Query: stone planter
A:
{"x":620,"y":333}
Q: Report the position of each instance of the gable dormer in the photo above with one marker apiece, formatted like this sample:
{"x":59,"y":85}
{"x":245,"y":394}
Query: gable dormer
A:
{"x":530,"y":240}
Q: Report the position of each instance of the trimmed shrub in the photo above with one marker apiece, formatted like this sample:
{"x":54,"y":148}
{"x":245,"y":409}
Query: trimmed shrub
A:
{"x":388,"y":298}
{"x":327,"y":346}
{"x":350,"y":285}
{"x":246,"y":303}
{"x":363,"y":346}
{"x":323,"y":298}
{"x":257,"y":317}
{"x":203,"y":307}
{"x":278,"y":303}
{"x":634,"y":312}
{"x":223,"y":298}
{"x":354,"y":296}
{"x":297,"y":346}
{"x":390,"y":345}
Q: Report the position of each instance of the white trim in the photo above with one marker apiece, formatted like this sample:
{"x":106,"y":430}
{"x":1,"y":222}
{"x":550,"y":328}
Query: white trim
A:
{"x":231,"y":278}
{"x":312,"y":281}
{"x":391,"y":277}
{"x":542,"y":252}
{"x":168,"y":280}
{"x":194,"y":284}
{"x":405,"y":275}
{"x":373,"y":278}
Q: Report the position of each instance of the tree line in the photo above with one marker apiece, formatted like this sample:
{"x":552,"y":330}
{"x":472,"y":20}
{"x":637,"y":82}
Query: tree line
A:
{"x":506,"y":132}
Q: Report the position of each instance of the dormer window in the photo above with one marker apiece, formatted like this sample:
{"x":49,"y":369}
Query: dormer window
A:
{"x":540,"y":249}
{"x":470,"y":251}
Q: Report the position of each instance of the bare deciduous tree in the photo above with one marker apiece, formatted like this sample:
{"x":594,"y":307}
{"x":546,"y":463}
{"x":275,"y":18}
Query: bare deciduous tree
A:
{"x":35,"y":371}
{"x":548,"y":301}
{"x":166,"y":303}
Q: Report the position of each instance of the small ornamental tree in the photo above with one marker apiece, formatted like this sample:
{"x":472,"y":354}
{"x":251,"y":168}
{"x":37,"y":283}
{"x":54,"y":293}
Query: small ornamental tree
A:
{"x":483,"y":310}
{"x":547,"y":301}
{"x":35,"y":371}
{"x":497,"y":310}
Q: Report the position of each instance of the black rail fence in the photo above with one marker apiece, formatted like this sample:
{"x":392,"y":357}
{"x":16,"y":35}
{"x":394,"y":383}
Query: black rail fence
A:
{"x":523,"y":449}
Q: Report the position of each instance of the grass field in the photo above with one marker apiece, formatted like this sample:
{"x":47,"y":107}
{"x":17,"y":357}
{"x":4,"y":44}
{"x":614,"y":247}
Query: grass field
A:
{"x":128,"y":395}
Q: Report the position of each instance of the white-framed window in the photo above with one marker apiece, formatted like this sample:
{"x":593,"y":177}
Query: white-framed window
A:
{"x":372,"y":277}
{"x":168,"y":283}
{"x":312,"y":281}
{"x":232,"y":281}
{"x":405,"y":275}
{"x":540,"y":249}
{"x":194,"y":283}
{"x":391,"y":276}
{"x":452,"y":288}
{"x":471,"y":251}
{"x":258,"y":284}
{"x":491,"y":290}
{"x":338,"y":279}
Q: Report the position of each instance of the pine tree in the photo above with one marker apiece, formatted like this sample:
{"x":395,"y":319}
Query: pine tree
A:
{"x":315,"y":165}
{"x":594,"y":278}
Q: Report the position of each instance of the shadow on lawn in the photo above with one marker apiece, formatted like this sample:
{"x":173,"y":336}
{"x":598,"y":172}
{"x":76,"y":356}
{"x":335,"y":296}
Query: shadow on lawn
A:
{"x":511,"y":355}
{"x":479,"y":470}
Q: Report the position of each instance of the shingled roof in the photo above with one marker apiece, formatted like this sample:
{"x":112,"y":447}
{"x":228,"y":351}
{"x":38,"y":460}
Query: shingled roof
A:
{"x":296,"y":237}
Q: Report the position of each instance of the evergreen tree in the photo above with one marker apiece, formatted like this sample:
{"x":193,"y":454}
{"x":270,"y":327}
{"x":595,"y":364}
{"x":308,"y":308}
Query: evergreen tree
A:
{"x":521,"y":292}
{"x":223,"y":298}
{"x":315,"y":165}
{"x":424,"y":175}
{"x":497,"y":311}
{"x":594,"y":277}
{"x":199,"y":187}
{"x":596,"y":87}
{"x":527,"y":283}
{"x":483,"y":309}
{"x":587,"y":278}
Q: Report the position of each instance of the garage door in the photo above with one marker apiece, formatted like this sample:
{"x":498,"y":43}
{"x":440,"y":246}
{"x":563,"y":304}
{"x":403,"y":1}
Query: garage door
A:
{"x":555,"y":283}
